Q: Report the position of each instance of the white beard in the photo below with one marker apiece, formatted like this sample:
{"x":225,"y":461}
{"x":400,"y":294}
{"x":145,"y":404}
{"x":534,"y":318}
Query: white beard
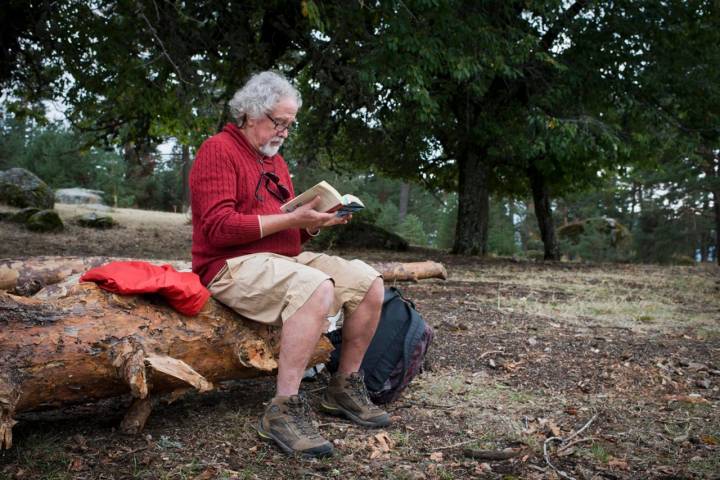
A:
{"x":272,"y":147}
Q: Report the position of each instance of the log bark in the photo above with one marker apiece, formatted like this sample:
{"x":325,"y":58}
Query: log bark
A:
{"x":74,"y":342}
{"x":90,"y":344}
{"x":414,"y":271}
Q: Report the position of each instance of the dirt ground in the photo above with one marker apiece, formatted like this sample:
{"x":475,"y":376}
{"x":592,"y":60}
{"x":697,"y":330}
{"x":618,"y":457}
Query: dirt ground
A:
{"x":538,"y":371}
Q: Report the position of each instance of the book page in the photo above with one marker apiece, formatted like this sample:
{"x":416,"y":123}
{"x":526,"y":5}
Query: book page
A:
{"x":329,"y":198}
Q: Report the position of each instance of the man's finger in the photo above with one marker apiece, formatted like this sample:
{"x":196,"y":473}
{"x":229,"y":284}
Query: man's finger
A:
{"x":310,"y":205}
{"x":314,"y":202}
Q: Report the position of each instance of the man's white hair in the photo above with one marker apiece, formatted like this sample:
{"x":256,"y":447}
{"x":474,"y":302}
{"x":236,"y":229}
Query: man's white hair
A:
{"x":260,"y":95}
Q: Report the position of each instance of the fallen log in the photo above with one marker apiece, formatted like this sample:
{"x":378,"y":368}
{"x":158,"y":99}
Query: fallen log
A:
{"x":27,"y":276}
{"x":412,"y":271}
{"x":73,"y":343}
{"x":91,"y":344}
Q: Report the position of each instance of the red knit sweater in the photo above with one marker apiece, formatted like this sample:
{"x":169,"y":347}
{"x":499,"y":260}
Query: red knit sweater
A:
{"x":224,"y":208}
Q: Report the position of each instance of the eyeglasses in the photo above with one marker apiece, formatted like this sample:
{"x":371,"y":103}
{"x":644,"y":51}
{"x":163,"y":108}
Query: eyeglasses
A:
{"x":273,"y":185}
{"x":280,"y":126}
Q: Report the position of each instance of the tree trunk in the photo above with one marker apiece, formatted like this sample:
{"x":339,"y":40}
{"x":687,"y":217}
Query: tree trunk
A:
{"x":473,"y":205}
{"x":716,"y":201}
{"x":711,"y":167}
{"x":543,"y":212}
{"x":139,"y":159}
{"x":185,"y":187}
{"x":140,"y":164}
{"x":404,"y":200}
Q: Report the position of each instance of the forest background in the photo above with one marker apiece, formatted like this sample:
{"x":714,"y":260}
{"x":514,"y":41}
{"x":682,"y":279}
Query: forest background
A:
{"x":480,"y":127}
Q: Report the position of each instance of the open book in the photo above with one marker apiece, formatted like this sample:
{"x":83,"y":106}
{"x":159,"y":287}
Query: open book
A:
{"x":330,"y":200}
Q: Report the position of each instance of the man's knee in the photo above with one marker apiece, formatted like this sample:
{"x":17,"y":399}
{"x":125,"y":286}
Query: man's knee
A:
{"x":324,"y":295}
{"x":376,"y":292}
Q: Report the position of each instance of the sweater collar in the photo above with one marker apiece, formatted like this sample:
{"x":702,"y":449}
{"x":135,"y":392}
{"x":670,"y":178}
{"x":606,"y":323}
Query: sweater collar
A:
{"x":242,"y":141}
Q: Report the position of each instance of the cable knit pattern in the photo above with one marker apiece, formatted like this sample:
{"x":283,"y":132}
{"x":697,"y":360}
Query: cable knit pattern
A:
{"x":224,"y":208}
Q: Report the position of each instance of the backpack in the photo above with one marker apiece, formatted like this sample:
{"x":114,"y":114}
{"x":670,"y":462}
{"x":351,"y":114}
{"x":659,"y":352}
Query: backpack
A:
{"x":396,"y":353}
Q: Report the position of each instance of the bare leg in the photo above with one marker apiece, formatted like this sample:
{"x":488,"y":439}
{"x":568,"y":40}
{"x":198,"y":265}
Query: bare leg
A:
{"x":359,"y":328}
{"x":300,"y":334}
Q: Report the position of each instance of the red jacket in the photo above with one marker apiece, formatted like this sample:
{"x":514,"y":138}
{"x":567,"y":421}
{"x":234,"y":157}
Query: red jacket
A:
{"x":183,"y":290}
{"x":225,"y":209}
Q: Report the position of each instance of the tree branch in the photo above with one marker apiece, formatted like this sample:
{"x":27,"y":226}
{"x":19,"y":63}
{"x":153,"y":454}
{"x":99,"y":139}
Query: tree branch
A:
{"x":552,"y":34}
{"x":154,"y":34}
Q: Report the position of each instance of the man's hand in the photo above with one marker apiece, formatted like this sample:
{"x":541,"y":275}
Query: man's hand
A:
{"x":306,"y":216}
{"x":302,"y":217}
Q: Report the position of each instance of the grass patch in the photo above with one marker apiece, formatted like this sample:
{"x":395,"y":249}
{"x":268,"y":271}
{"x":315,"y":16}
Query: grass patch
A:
{"x":635,"y":296}
{"x":42,"y":456}
{"x":599,"y":453}
{"x":705,"y":467}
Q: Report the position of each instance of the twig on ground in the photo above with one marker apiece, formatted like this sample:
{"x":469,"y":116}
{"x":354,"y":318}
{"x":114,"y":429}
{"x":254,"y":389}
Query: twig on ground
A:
{"x":435,"y":405}
{"x":493,"y":454}
{"x":535,"y":467}
{"x":580,"y":440}
{"x":546,"y":455}
{"x":334,"y":425}
{"x":133,"y":451}
{"x":582,"y":429}
{"x":490,"y":353}
{"x":314,"y":474}
{"x":446,"y":447}
{"x":562,"y":441}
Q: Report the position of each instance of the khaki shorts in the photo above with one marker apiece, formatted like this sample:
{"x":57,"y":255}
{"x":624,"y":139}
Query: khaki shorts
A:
{"x":270,"y":288}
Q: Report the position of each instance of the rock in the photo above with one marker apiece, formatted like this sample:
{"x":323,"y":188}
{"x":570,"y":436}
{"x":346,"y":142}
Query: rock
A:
{"x":98,"y":207}
{"x":93,"y":220}
{"x":358,"y":234}
{"x":23,"y":215}
{"x":21,"y":188}
{"x":45,"y":221}
{"x":703,"y":383}
{"x":81,"y":196}
{"x":696,"y":367}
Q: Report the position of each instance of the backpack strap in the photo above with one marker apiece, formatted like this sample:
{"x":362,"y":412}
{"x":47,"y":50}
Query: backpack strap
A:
{"x":414,"y":333}
{"x":415,"y":329}
{"x":402,"y":297}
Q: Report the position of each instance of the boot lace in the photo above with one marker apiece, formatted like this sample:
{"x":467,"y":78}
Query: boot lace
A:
{"x":359,"y":390}
{"x":302,"y":416}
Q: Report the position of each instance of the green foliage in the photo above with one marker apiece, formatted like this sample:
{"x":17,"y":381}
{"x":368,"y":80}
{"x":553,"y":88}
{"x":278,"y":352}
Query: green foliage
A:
{"x":61,"y":158}
{"x":412,"y":230}
{"x":612,"y":106}
{"x":388,"y":217}
{"x":446,"y":229}
{"x":660,"y":236}
{"x":501,"y":235}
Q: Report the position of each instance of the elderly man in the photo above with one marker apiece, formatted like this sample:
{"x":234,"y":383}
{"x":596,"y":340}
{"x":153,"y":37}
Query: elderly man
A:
{"x":248,"y":253}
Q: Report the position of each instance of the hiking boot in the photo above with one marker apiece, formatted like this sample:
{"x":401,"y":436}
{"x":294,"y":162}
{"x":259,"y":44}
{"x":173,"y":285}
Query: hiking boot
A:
{"x":346,"y":395}
{"x":287,"y":421}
